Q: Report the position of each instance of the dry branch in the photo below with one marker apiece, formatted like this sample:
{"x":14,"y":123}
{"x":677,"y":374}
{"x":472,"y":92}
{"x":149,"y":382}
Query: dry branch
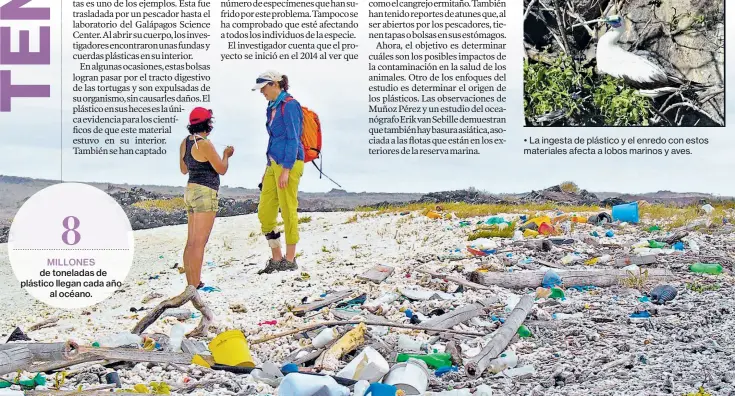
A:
{"x":459,"y":315}
{"x":459,"y":281}
{"x":14,"y":359}
{"x":523,"y":280}
{"x":354,"y":322}
{"x":476,"y":366}
{"x":44,"y":323}
{"x":189,"y":294}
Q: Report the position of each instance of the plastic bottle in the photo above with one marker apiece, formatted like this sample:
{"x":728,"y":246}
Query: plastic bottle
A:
{"x":656,"y":244}
{"x":177,"y":335}
{"x":298,"y":384}
{"x":524,"y":332}
{"x":706,"y":268}
{"x":361,"y":387}
{"x":384,"y":299}
{"x":511,"y":302}
{"x":434,"y":360}
{"x":506,"y":360}
{"x":120,"y":339}
{"x":408,"y":344}
{"x":562,"y":316}
{"x":324,"y":337}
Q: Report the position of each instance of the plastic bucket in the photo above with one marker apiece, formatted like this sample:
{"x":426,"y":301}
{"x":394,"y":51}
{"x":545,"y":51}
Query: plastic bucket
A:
{"x":626,"y":212}
{"x":369,"y":365}
{"x":411,"y":377}
{"x":231,"y":348}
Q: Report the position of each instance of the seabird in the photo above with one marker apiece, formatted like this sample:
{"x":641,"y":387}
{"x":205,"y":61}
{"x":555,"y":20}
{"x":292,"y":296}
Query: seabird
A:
{"x":637,"y":72}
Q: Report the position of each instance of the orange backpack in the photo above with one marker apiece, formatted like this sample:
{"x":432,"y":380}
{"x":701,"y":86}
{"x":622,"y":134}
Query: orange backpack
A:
{"x":311,"y":137}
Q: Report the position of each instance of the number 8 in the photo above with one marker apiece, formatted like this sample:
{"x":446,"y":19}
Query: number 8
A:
{"x":71,"y":229}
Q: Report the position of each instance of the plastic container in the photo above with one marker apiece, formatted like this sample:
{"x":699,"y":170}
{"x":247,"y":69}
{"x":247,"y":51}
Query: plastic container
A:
{"x":434,"y":360}
{"x":706,"y":268}
{"x":231,"y":348}
{"x":524,"y":332}
{"x":408,"y":344}
{"x":411,"y":376}
{"x":178,"y":313}
{"x":387,"y":298}
{"x":508,"y":359}
{"x":627,"y":213}
{"x":120,"y":339}
{"x":551,"y":279}
{"x":546,"y":229}
{"x":113,"y":378}
{"x":663,"y":293}
{"x":378,"y":389}
{"x":325,"y":337}
{"x":297,"y":384}
{"x":563,"y":316}
{"x":517,"y":372}
{"x":511,"y":302}
{"x":361,"y":388}
{"x":369,"y":365}
{"x":557,"y":293}
{"x":176,"y":337}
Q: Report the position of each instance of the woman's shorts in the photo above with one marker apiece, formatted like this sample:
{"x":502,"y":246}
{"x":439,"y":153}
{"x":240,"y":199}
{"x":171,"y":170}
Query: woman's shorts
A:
{"x":198,"y":199}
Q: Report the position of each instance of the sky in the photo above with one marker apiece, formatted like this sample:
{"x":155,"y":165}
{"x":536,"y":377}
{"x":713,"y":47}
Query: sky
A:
{"x":337,"y":91}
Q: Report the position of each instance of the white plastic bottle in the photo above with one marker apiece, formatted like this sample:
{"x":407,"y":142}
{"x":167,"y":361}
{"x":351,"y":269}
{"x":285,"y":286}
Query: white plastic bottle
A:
{"x":324,"y":337}
{"x":176,"y":337}
{"x":119,"y":340}
{"x":383,"y":300}
{"x":507,"y":359}
{"x":298,"y":384}
{"x":408,"y":344}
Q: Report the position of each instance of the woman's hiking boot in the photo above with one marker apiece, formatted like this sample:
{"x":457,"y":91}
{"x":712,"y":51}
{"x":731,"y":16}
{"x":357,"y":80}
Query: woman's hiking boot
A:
{"x":277,"y":266}
{"x":289,"y":265}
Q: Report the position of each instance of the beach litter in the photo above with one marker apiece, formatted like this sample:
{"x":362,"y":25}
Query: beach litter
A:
{"x":543,"y":309}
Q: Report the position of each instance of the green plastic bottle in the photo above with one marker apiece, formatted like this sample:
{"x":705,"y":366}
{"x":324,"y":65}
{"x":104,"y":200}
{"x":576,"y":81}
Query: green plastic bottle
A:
{"x":656,"y":245}
{"x":524,"y":332}
{"x":706,"y":268}
{"x":434,"y":360}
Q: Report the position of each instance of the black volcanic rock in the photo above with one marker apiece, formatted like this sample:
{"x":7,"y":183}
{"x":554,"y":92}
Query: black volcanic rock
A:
{"x":467,"y":196}
{"x":557,"y":195}
{"x":613,"y":201}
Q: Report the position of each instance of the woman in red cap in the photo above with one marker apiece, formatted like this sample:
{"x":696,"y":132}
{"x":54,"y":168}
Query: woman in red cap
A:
{"x":200,"y":160}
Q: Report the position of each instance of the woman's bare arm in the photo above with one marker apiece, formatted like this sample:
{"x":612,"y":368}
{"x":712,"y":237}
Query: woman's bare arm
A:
{"x":182,"y":164}
{"x":220,"y":164}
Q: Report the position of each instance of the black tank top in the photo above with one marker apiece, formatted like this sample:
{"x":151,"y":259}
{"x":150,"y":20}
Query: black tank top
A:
{"x":201,"y":173}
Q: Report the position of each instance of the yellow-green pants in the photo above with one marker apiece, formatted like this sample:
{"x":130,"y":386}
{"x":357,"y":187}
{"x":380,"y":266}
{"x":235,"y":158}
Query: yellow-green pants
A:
{"x":272,"y":198}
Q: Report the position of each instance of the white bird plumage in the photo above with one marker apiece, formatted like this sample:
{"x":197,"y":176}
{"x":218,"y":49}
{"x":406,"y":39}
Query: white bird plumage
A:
{"x":637,"y":71}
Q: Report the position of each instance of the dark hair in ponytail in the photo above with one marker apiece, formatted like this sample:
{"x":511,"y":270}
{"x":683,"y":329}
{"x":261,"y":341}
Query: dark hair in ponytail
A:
{"x":283,"y":84}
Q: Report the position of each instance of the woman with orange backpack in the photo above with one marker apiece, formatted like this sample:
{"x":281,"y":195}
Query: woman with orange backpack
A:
{"x":284,"y":168}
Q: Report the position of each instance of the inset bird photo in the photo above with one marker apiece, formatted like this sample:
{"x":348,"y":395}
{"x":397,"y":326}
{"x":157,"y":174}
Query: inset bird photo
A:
{"x":624,"y":63}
